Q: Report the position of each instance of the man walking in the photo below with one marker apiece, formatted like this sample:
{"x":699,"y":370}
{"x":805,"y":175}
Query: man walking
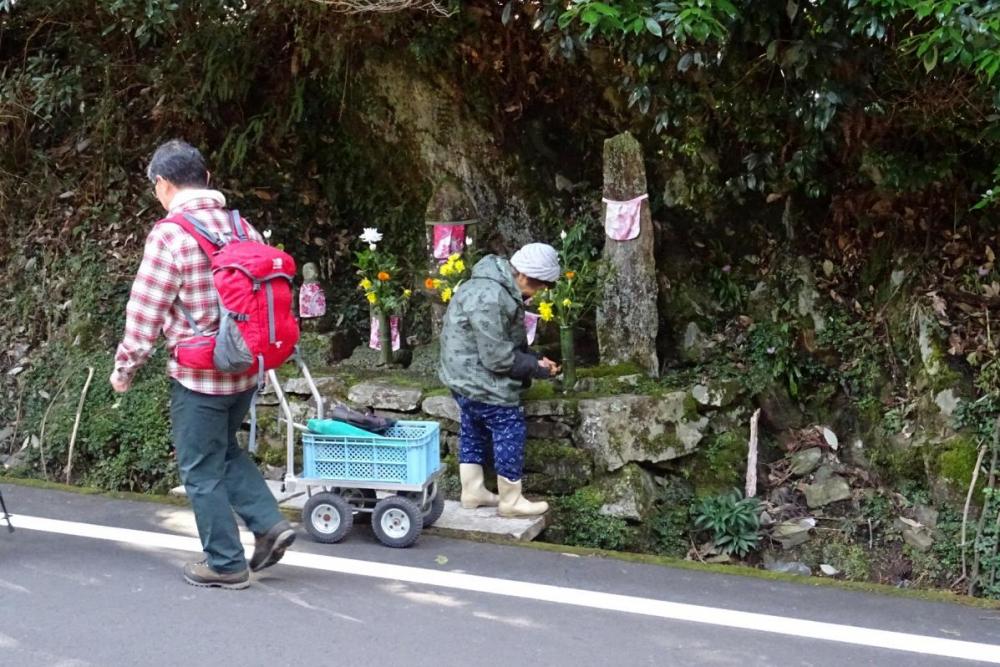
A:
{"x":173,"y":291}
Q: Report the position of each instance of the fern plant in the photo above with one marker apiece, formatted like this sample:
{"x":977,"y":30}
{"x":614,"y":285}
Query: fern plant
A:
{"x":733,"y":521}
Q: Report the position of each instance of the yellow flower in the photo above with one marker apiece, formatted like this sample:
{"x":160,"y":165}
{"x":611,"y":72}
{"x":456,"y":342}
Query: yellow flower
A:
{"x":372,"y":298}
{"x":383,"y":276}
{"x":567,"y":303}
{"x":446,"y":269}
{"x":459,"y":266}
{"x":454,"y":257}
{"x":446,"y":294}
{"x":365,"y":284}
{"x":570,"y":275}
{"x":545,"y":311}
{"x":407,"y":293}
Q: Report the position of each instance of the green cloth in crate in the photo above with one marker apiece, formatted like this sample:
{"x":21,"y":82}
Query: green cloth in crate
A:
{"x":335,"y":427}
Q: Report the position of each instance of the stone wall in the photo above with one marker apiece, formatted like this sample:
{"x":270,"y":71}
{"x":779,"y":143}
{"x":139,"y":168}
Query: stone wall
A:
{"x":625,"y":445}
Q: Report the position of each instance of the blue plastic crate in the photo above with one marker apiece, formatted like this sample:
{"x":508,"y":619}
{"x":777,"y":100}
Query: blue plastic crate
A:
{"x":408,"y":453}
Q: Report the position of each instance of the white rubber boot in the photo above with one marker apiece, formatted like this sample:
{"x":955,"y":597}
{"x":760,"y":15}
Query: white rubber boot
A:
{"x":512,"y":503}
{"x":474,"y":492}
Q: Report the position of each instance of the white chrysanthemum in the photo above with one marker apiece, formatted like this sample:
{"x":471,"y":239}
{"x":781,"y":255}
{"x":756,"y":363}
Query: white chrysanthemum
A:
{"x":562,"y":235}
{"x":267,"y":233}
{"x":371,"y":236}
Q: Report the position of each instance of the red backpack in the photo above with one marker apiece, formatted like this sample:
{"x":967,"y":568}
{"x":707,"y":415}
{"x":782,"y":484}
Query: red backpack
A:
{"x":257,"y":328}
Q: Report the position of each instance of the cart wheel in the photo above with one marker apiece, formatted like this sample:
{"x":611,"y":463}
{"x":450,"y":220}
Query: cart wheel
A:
{"x":327,"y":517}
{"x":397,"y":521}
{"x":435,"y":510}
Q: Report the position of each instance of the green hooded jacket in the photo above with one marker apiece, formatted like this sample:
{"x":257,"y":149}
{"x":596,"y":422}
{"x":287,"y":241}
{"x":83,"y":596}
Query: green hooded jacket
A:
{"x":484,"y":347}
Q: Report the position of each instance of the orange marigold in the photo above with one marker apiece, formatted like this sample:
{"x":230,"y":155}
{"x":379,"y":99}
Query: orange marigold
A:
{"x":383,"y":276}
{"x":570,"y":275}
{"x":429,"y":283}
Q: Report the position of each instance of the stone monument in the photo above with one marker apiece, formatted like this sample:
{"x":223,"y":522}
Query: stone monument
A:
{"x":627,"y":316}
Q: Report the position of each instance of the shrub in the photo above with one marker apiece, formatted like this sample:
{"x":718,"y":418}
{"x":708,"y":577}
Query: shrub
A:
{"x":733,"y":521}
{"x":579,"y":519}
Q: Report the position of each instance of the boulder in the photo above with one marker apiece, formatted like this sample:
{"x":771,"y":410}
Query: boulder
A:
{"x":385,"y":396}
{"x":793,"y":532}
{"x":326,"y":384}
{"x":947,"y":401}
{"x":832,"y":489}
{"x":916,"y":534}
{"x":926,"y":515}
{"x":443,"y":407}
{"x":779,"y":411}
{"x":628,"y":494}
{"x":806,"y":461}
{"x":556,"y":467}
{"x":694,"y":344}
{"x":550,"y":408}
{"x":548,"y":429}
{"x":784,"y":567}
{"x":630,"y":428}
{"x":717,"y":395}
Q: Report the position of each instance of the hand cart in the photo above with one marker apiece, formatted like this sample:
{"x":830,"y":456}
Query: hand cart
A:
{"x":393,"y":477}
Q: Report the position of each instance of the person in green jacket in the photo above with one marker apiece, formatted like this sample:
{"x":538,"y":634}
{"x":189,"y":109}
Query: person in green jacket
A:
{"x":486,"y":364}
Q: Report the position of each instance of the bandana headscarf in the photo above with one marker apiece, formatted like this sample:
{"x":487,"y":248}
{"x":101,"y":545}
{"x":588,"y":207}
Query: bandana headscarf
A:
{"x":537,"y":260}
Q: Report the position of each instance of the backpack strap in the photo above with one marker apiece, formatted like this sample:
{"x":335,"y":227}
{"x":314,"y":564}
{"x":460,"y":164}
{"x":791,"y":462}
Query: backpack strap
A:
{"x":210,"y":243}
{"x":239,"y":230}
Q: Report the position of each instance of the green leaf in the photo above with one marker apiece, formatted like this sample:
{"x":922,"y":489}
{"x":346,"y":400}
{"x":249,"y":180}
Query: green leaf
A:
{"x":508,"y":10}
{"x":792,"y":9}
{"x":654,"y":27}
{"x":604,"y":9}
{"x":930,"y":59}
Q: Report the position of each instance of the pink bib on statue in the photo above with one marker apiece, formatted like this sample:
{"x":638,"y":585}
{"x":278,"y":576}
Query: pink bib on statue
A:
{"x":531,"y":325}
{"x":373,"y":339}
{"x":448,"y":239}
{"x":621,"y":222}
{"x":312,"y":301}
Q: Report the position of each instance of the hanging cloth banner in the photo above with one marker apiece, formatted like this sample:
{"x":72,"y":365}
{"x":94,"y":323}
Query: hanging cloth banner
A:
{"x":531,"y":325}
{"x":621,"y":222}
{"x":448,"y":239}
{"x":312,"y":301}
{"x":373,"y":339}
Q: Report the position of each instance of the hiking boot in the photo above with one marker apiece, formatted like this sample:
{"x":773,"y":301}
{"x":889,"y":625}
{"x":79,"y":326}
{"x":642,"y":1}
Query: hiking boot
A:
{"x":200,"y":574}
{"x":269,"y":547}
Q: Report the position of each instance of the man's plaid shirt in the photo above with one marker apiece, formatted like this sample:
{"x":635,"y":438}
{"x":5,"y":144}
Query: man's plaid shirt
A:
{"x":175,"y":270}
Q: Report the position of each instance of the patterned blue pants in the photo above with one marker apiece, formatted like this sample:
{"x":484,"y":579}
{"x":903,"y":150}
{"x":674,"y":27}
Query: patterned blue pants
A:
{"x":503,"y":424}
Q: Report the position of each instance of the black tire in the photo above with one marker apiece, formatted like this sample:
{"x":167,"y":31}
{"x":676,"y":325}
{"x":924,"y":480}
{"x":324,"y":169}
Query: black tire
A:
{"x":397,"y":522}
{"x":436,"y":508}
{"x":359,"y":499}
{"x":327,"y":517}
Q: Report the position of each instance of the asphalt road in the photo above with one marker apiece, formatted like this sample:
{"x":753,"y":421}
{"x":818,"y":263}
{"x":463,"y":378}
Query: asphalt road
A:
{"x":75,"y":593}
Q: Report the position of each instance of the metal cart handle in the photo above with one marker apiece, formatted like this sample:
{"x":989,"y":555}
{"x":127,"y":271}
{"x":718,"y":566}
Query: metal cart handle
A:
{"x":272,"y":376}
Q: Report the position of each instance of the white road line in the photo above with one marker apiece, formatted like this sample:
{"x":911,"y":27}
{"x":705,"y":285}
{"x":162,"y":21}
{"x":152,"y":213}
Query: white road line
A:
{"x":846,"y":634}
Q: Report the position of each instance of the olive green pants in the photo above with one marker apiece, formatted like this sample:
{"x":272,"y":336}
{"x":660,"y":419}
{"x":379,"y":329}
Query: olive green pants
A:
{"x":218,"y":474}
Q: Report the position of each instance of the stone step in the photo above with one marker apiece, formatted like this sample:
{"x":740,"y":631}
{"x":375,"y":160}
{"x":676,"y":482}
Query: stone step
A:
{"x":479,"y":523}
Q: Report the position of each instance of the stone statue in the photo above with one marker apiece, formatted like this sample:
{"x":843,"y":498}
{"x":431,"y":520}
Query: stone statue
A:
{"x":312,"y":300}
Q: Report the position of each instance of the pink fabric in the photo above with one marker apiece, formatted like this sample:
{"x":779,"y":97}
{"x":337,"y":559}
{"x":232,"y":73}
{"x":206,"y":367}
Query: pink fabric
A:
{"x":621,"y":222}
{"x":312,"y":301}
{"x":373,"y":340}
{"x":448,"y":239}
{"x":531,"y":325}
